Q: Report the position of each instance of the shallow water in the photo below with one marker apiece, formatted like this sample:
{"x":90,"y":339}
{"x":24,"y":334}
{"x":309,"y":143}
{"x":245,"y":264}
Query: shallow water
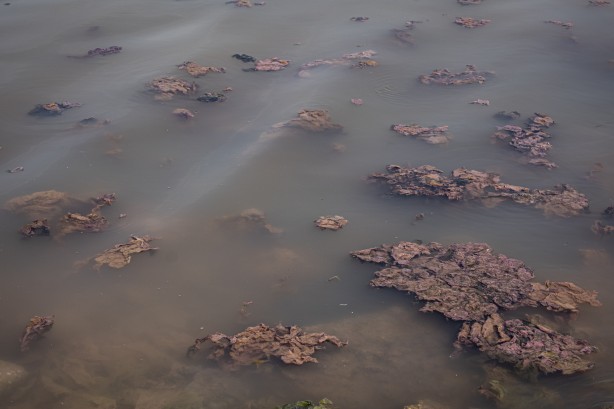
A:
{"x":120,"y":336}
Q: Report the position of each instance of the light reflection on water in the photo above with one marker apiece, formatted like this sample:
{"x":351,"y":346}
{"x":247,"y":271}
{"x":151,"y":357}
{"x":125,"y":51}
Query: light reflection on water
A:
{"x":120,"y":335}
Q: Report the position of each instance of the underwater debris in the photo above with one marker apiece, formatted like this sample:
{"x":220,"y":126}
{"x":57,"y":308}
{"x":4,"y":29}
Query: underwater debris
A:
{"x":465,"y":184}
{"x":240,"y":3}
{"x":212,"y":97}
{"x":404,"y":34}
{"x":444,"y":77}
{"x":38,"y":227}
{"x":601,"y":228}
{"x":483,"y":102}
{"x":360,"y":19}
{"x":244,"y":57}
{"x":469,"y":2}
{"x":53,"y":108}
{"x":121,"y":254}
{"x":527,"y":346}
{"x":599,"y":2}
{"x":357,"y":101}
{"x":16,"y":169}
{"x":114,"y":49}
{"x":433,"y":135}
{"x":36,"y":328}
{"x":330,"y":222}
{"x":530,"y":140}
{"x":166,"y":87}
{"x":470,"y":22}
{"x":93,"y":222}
{"x":256,"y":345}
{"x":197,"y":70}
{"x":313,"y":120}
{"x":250,"y":219}
{"x":507,"y":115}
{"x":566,"y":25}
{"x":183,"y":113}
{"x":307,"y":404}
{"x":468,"y":281}
{"x":363,"y":57}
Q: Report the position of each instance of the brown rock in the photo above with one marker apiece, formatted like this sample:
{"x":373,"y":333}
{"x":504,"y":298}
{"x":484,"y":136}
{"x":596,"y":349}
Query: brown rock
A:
{"x":256,"y":345}
{"x":331,"y":222}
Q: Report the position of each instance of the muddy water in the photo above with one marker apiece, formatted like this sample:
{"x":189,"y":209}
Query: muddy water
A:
{"x":120,"y":335}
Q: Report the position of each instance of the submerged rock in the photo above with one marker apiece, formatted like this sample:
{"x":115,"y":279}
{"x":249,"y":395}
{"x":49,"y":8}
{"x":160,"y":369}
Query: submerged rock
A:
{"x":35,"y":330}
{"x":52,"y":108}
{"x":530,"y":140}
{"x":509,"y":391}
{"x":244,"y":57}
{"x":566,"y":25}
{"x":40,"y":205}
{"x":527,"y":346}
{"x":404,"y":34}
{"x":444,"y":77}
{"x":465,"y":184}
{"x":212,"y":97}
{"x":183,"y":113}
{"x":250,"y":219}
{"x":307,"y":404}
{"x":197,"y":70}
{"x":601,"y":228}
{"x":433,"y":135}
{"x":313,"y":120}
{"x":331,"y":222}
{"x":11,"y":375}
{"x":468,"y":281}
{"x":256,"y":345}
{"x":121,"y":254}
{"x":114,"y":49}
{"x":470,"y":22}
{"x":38,"y":227}
{"x":507,"y":115}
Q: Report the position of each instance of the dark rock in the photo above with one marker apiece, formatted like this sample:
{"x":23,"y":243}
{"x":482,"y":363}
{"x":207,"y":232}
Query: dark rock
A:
{"x":35,"y":330}
{"x":244,"y":57}
{"x":212,"y":97}
{"x":38,"y":227}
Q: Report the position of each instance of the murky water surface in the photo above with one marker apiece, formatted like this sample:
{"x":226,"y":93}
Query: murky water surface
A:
{"x":120,"y":335}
